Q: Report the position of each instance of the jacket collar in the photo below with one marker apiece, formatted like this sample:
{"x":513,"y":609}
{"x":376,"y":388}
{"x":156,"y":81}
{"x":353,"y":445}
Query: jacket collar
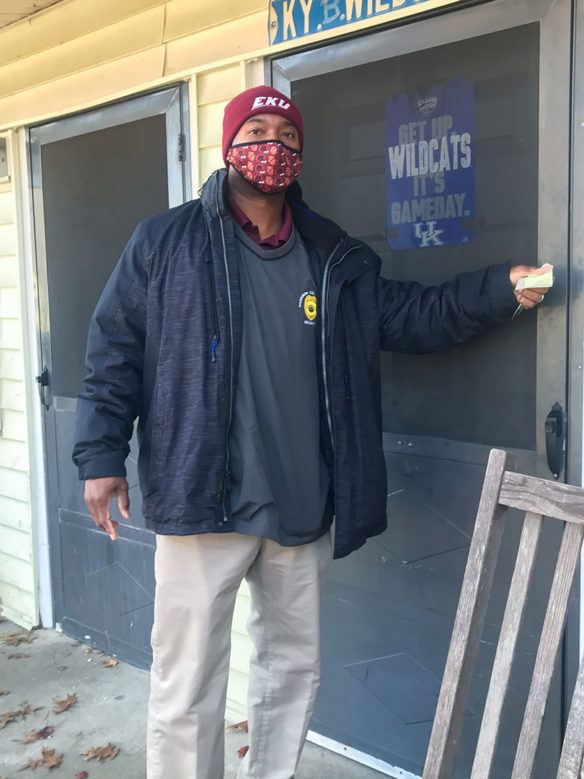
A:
{"x":214,"y":194}
{"x":323,"y":233}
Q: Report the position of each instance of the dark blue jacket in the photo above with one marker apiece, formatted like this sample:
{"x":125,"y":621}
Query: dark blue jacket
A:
{"x":164,"y":346}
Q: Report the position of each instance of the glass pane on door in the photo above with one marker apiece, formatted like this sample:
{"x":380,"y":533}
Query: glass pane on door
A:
{"x":388,"y":609}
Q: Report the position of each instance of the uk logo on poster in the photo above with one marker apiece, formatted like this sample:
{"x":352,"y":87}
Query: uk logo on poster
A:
{"x":430,"y":166}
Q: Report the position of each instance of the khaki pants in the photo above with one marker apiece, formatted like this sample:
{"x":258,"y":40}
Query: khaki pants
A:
{"x":197,"y":578}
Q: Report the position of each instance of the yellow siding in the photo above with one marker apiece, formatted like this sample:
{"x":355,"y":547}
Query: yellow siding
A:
{"x":217,"y":85}
{"x":12,"y":396}
{"x":18,"y":603}
{"x":7,"y":240}
{"x":10,"y":361}
{"x":47,"y":30}
{"x":84,"y":89}
{"x":13,"y":425}
{"x":126,"y":37}
{"x":209,"y":160}
{"x":210,"y":120}
{"x":18,"y":596}
{"x":16,"y":544}
{"x":13,"y":455}
{"x":184,"y":17}
{"x":6,"y":207}
{"x":10,"y":335}
{"x":230,"y":41}
{"x":14,"y":513}
{"x":79,"y":54}
{"x":8,"y":271}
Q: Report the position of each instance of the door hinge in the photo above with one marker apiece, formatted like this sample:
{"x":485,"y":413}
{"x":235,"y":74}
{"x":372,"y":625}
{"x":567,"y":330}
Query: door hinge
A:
{"x":181,"y":147}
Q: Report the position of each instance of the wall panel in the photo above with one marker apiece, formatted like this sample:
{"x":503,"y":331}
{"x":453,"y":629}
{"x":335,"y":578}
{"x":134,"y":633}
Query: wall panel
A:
{"x":18,"y":597}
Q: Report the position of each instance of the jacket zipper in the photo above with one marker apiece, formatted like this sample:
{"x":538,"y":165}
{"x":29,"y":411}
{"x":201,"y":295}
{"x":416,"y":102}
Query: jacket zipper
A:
{"x":213,"y":302}
{"x":227,"y":474}
{"x":325,"y":283}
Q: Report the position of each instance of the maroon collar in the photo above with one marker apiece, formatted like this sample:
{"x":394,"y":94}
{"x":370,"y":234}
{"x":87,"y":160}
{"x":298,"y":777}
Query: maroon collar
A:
{"x":271,"y":241}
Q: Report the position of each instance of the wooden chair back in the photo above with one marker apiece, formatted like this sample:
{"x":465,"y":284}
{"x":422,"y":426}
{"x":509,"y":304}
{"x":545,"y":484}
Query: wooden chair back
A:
{"x":538,"y":498}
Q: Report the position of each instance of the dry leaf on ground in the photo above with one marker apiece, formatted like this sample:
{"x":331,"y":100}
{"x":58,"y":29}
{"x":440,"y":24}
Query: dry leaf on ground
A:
{"x":101,"y":753}
{"x":64,"y":704}
{"x":17,"y":656}
{"x":49,"y":759}
{"x":11,"y":716}
{"x":35,"y":735}
{"x":239,"y":726}
{"x":17,"y":637}
{"x":242,"y":751}
{"x":110,"y":663}
{"x":82,"y":775}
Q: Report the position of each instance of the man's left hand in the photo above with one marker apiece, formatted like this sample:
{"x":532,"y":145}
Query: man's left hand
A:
{"x":527,"y":298}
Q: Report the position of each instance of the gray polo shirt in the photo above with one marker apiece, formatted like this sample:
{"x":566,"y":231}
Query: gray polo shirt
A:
{"x":279,"y":481}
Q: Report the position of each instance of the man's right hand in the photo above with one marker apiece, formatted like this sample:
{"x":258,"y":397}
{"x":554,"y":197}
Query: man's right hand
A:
{"x":98,"y":494}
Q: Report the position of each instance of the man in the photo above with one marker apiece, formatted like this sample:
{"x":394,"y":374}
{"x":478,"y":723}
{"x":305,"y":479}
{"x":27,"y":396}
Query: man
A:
{"x":244,"y":332}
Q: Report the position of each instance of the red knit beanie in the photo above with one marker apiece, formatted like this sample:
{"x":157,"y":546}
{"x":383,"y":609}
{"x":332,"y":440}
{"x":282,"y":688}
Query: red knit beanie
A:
{"x":258,"y":100}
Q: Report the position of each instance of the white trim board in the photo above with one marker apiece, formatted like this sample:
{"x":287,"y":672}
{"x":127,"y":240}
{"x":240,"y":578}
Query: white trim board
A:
{"x":38,"y":505}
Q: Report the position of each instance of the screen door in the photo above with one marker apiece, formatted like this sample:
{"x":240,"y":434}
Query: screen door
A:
{"x":95,"y":176}
{"x":490,"y":75}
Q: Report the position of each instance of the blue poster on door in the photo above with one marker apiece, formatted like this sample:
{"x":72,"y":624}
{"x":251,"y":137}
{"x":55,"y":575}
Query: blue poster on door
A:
{"x":430,"y":166}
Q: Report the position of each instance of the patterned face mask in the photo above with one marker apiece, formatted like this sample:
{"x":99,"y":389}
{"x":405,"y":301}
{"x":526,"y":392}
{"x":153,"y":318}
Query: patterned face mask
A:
{"x":269,"y":166}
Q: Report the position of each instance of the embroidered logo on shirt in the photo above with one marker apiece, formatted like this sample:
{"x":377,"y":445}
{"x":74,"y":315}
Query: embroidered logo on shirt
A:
{"x":307,"y":303}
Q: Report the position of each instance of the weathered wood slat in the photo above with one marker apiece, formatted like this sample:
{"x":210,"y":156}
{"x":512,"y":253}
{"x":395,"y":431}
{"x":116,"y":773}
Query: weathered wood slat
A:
{"x":468,"y":625}
{"x":573,"y":749}
{"x":512,"y":620}
{"x":528,"y":493}
{"x":551,"y":635}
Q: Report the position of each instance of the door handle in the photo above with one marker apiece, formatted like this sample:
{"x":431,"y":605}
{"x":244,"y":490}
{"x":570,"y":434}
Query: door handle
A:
{"x":555,"y":439}
{"x":43,"y":382}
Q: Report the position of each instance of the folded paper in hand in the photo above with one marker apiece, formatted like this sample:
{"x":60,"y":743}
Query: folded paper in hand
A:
{"x":538,"y":280}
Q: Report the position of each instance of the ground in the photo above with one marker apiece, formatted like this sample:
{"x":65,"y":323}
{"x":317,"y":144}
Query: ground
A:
{"x":110,"y":708}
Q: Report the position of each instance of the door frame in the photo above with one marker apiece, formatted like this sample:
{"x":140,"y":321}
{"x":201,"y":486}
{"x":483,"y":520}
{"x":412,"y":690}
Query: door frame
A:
{"x":172,"y":101}
{"x":560,"y":233}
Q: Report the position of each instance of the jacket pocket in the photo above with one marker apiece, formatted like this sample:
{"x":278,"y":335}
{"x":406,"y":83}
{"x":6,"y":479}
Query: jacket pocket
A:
{"x":160,"y":438}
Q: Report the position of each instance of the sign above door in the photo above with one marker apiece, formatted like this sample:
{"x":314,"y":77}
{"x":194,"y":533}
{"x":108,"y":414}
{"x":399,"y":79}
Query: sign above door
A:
{"x":293,"y":19}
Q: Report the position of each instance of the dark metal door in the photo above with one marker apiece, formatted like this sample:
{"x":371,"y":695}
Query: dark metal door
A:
{"x":388,"y":609}
{"x":95,"y":176}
